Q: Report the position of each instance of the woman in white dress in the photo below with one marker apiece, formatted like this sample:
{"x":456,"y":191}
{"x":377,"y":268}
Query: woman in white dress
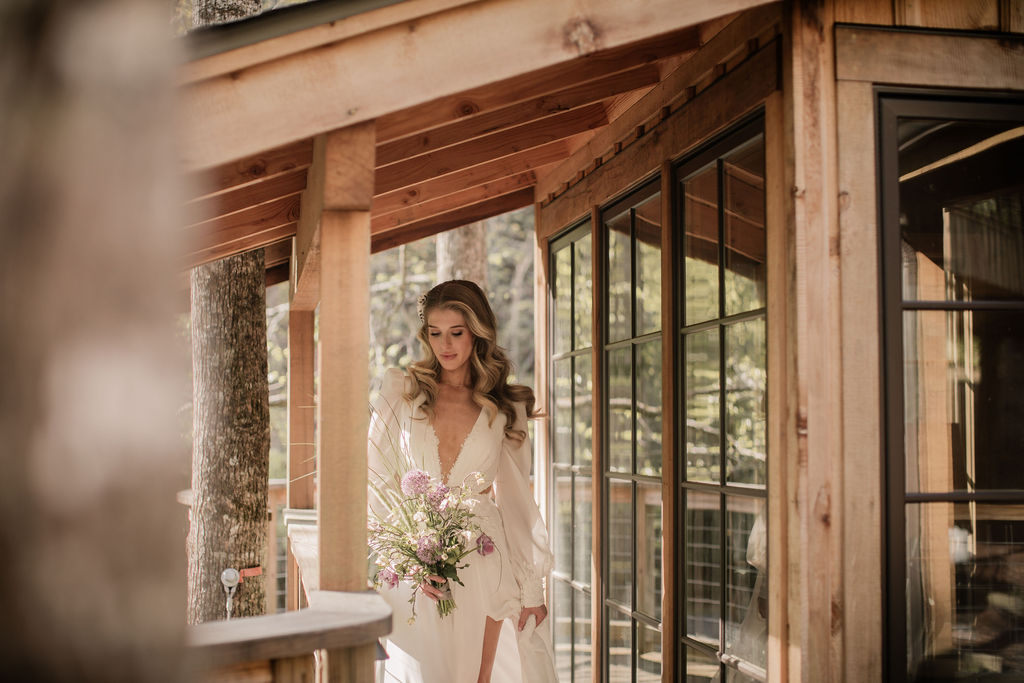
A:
{"x":453,"y":414}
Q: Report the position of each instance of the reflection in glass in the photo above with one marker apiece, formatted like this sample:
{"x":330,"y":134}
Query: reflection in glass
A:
{"x":620,"y":274}
{"x":701,"y":667}
{"x":583,"y":414}
{"x":746,"y":601}
{"x":961,"y":218}
{"x":582,"y":529}
{"x":648,"y":652}
{"x":743,"y":199}
{"x":620,"y":542}
{"x":648,"y":549}
{"x":561,"y":510}
{"x":745,"y":381}
{"x":965,"y":589}
{"x":700,"y":244}
{"x":563,"y":411}
{"x":620,"y":410}
{"x":582,"y":629}
{"x":962,"y":374}
{"x":583,"y":289}
{"x":648,"y":275}
{"x":620,"y":646}
{"x":703,"y":574}
{"x":648,"y":408}
{"x":561,"y":626}
{"x":562,"y":332}
{"x":703,"y":454}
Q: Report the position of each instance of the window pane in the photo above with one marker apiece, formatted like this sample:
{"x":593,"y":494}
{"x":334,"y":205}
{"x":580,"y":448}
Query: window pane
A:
{"x":562,"y":332}
{"x":561,"y":510}
{"x":620,"y":646}
{"x":648,"y":549}
{"x":745,"y":381}
{"x":583,"y":529}
{"x":746,"y":609}
{"x":582,"y":630}
{"x":648,"y":408}
{"x":700,"y":666}
{"x":648,"y":666}
{"x":583,"y":412}
{"x":702,"y":406}
{"x":563,"y":411}
{"x":965,"y":579}
{"x":620,"y":275}
{"x":962,"y":374}
{"x":620,"y":410}
{"x":620,"y":542}
{"x":700,"y":244}
{"x":961,"y":209}
{"x":561,"y":625}
{"x":648,"y":276}
{"x":583,"y":290}
{"x":702,"y":564}
{"x":743,"y":196}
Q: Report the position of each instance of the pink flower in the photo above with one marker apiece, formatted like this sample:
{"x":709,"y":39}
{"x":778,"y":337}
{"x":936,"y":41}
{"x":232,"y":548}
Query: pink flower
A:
{"x":437,"y":496}
{"x":484,"y":545}
{"x":388,"y":578}
{"x":415,"y":482}
{"x":428,"y":549}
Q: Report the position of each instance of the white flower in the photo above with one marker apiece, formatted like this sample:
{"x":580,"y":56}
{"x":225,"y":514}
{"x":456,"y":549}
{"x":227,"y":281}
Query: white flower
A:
{"x":420,"y":517}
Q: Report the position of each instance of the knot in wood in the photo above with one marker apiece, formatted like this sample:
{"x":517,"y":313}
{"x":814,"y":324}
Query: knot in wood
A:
{"x":467,"y":108}
{"x":581,"y":36}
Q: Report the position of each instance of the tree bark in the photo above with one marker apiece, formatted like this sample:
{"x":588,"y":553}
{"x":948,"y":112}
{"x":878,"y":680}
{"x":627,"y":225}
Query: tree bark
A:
{"x":462,"y":254}
{"x":211,"y":12}
{"x":231,"y":434}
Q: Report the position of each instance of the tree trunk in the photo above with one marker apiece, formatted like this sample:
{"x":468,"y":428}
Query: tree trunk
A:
{"x":210,"y":12}
{"x":462,"y":254}
{"x":231,"y":434}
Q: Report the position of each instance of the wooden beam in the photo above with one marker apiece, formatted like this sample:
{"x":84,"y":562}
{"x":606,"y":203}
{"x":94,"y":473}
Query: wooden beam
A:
{"x":516,"y":114}
{"x":301,"y":410}
{"x":302,"y":95}
{"x":245,"y":229}
{"x":250,"y":240}
{"x":451,"y":202}
{"x":730,"y":39}
{"x":249,"y":195}
{"x":887,"y":56}
{"x":277,"y":253}
{"x":522,"y":162}
{"x":494,"y":146}
{"x":275,"y":275}
{"x":262,"y":166}
{"x":453,"y":219}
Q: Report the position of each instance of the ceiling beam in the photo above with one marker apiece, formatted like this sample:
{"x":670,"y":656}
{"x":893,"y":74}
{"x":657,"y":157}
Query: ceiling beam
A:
{"x":255,"y":239}
{"x":516,"y":114}
{"x":262,"y":166}
{"x":488,"y":147}
{"x":242,"y":230}
{"x":248,"y":195}
{"x":297,"y":96}
{"x":453,"y":219}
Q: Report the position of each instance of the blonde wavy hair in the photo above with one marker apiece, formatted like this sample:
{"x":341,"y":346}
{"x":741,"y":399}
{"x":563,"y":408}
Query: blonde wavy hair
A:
{"x":489,"y":367}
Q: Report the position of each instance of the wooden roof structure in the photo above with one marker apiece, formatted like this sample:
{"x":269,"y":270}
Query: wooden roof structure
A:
{"x":476,"y":112}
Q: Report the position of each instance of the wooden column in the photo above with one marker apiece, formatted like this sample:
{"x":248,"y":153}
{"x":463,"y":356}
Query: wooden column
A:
{"x":301,"y":410}
{"x":813,"y":476}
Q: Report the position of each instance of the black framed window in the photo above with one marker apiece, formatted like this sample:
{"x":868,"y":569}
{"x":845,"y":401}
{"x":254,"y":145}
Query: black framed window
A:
{"x":723,"y":375}
{"x":571,"y":477}
{"x":632,"y":437}
{"x":952,"y":217}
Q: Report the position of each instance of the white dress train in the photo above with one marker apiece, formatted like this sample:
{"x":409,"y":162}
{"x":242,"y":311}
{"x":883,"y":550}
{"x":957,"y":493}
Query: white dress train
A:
{"x":436,"y":650}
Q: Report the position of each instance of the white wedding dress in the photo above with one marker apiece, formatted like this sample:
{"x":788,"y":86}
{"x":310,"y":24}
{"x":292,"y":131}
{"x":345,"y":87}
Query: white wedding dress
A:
{"x":436,"y":650}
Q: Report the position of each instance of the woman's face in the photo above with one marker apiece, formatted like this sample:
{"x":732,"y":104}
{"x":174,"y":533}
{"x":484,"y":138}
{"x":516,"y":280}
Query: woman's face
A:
{"x":450,"y":338}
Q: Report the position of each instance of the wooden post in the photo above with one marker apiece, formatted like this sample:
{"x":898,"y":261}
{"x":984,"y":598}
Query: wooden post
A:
{"x":348,"y":161}
{"x":597,"y":255}
{"x":301,"y":410}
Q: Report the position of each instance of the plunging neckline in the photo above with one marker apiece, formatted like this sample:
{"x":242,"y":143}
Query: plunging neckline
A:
{"x":458,"y":454}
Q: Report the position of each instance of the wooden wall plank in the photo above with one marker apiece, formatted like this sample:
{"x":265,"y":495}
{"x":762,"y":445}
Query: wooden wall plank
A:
{"x":864,"y":12}
{"x":740,"y":91}
{"x":452,"y":219}
{"x":249,"y":195}
{"x":538,"y":84}
{"x":299,"y":96}
{"x":726,"y":42}
{"x":521,"y":162}
{"x":1011,"y":16}
{"x":861,"y":357}
{"x":516,"y":114}
{"x":969,"y":15}
{"x":489,"y":147}
{"x":877,"y":56}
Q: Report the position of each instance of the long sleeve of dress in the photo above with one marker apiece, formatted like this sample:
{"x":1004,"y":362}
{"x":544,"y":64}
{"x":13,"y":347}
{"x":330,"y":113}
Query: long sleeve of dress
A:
{"x":527,"y":536}
{"x":384,"y":453}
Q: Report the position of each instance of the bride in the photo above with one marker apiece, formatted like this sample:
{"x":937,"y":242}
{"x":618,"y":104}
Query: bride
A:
{"x":453,"y":414}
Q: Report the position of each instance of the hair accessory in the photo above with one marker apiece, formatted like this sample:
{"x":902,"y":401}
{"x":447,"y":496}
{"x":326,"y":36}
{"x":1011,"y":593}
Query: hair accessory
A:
{"x":420,"y":303}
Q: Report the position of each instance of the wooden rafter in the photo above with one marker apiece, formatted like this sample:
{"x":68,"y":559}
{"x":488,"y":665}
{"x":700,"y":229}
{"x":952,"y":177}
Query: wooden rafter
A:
{"x":243,"y":230}
{"x":255,"y":168}
{"x":249,"y":195}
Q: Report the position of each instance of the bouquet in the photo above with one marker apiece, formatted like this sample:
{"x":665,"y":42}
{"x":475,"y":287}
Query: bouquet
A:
{"x":428,"y":529}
